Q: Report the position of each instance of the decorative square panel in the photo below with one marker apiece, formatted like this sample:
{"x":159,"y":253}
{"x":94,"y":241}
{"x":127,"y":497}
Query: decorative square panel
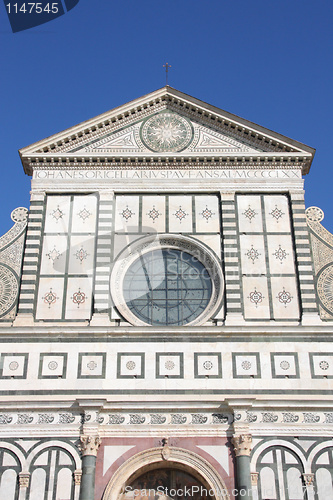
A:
{"x":285,"y":298}
{"x":207,"y":215}
{"x":57,"y":214}
{"x":52,"y":365}
{"x":170,"y":365}
{"x":284,"y":364}
{"x":256,"y":298}
{"x":280,"y":254}
{"x":91,"y":365}
{"x":84,"y":214}
{"x":79,"y":298}
{"x":321,"y":365}
{"x":54,"y":254}
{"x":252,"y":252}
{"x":153,"y":214}
{"x":277,"y":214}
{"x":50,"y":297}
{"x":127,"y":214}
{"x":249,"y":214}
{"x":180,"y":214}
{"x":81,"y":254}
{"x":13,"y":365}
{"x":246,"y":365}
{"x":130,"y":365}
{"x":207,"y":364}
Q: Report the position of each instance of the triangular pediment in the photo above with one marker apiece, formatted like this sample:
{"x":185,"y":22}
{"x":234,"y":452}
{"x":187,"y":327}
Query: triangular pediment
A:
{"x":164,"y":123}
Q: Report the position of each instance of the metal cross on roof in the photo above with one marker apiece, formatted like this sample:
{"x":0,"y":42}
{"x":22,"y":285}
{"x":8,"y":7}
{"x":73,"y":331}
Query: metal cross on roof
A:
{"x":166,"y":66}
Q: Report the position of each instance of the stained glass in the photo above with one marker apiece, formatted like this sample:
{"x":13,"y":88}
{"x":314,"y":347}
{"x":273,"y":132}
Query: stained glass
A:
{"x":167,"y":287}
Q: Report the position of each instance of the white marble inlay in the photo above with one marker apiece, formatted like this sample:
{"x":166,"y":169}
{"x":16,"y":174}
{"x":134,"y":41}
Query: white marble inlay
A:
{"x":78,"y":298}
{"x":127,"y":214}
{"x":84,"y":214}
{"x":57,"y":214}
{"x":49,"y":300}
{"x":277,"y":213}
{"x":255,"y":297}
{"x":180,"y":214}
{"x":249,"y":214}
{"x":13,"y":366}
{"x":113,"y":453}
{"x":169,"y":365}
{"x":220,"y":453}
{"x":208,"y":365}
{"x":285,"y":297}
{"x":207,"y":214}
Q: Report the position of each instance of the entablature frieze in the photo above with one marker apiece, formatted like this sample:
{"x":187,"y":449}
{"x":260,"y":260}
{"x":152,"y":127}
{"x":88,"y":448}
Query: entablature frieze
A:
{"x":175,"y":161}
{"x":257,"y":422}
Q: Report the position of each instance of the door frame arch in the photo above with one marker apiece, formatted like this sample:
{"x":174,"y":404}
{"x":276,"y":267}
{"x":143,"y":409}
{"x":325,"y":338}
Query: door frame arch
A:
{"x":186,"y":460}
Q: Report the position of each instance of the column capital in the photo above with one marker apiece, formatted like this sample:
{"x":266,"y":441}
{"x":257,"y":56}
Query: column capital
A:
{"x":90,"y":444}
{"x":254,"y":478}
{"x":228,"y":195}
{"x":297,"y":195}
{"x":242,"y":444}
{"x":77,"y":477}
{"x":308,"y":479}
{"x":106,"y":194}
{"x":24,"y":479}
{"x":37,"y":194}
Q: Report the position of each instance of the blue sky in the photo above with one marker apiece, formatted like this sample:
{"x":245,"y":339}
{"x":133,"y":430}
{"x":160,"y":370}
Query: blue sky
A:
{"x":268,"y":62}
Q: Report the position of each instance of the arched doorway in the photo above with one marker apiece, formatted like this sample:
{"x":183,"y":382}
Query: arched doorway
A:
{"x":175,"y":478}
{"x":165,"y":483}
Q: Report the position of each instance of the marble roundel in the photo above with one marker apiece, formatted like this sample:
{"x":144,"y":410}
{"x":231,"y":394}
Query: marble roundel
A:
{"x":8,"y":289}
{"x":325,"y":288}
{"x":19,"y":214}
{"x":166,"y":132}
{"x":314,"y":214}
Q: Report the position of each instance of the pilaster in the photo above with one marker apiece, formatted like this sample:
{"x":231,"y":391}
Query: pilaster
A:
{"x":234,"y":314}
{"x":304,"y":263}
{"x":31,"y":260}
{"x":102,"y":302}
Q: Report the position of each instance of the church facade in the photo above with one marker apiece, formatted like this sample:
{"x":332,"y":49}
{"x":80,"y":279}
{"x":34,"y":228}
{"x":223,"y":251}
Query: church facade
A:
{"x":166,"y":313}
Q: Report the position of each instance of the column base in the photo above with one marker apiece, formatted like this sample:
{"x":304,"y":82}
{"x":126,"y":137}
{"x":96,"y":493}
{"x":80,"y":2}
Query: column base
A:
{"x":24,"y":320}
{"x":234,"y":319}
{"x":311,"y":319}
{"x":101,"y":319}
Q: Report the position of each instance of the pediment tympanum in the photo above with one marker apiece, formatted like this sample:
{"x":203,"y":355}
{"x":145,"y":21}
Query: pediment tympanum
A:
{"x":166,"y":132}
{"x":166,"y":123}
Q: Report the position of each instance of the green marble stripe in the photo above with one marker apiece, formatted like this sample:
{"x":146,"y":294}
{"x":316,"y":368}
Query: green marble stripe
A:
{"x":37,"y":203}
{"x":70,"y":392}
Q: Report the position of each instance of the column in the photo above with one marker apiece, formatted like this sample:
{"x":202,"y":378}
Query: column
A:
{"x":24,"y":479}
{"x":242,"y":446}
{"x":89,"y":448}
{"x":309,"y":484}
